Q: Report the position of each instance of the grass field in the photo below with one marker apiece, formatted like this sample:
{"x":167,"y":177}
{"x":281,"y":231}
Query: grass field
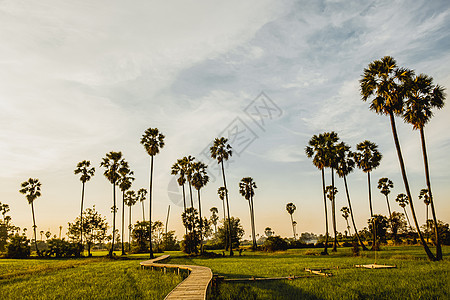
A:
{"x":100,"y":278}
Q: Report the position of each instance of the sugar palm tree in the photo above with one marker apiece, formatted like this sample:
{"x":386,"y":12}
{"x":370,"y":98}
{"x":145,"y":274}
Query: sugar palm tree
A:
{"x":83,"y":168}
{"x":221,"y":192}
{"x":221,"y":150}
{"x":111,"y":163}
{"x":424,"y":195}
{"x":331,"y":195}
{"x":141,"y":196}
{"x":345,"y":214}
{"x":130,"y":200}
{"x":385,"y":185}
{"x":32,"y":190}
{"x":179,"y":169}
{"x":214,"y":218}
{"x":153,"y":141}
{"x":402,"y":200}
{"x":385,"y":84}
{"x":290,"y":207}
{"x":421,"y":97}
{"x":125,"y":181}
{"x":344,"y":166}
{"x":199,"y":180}
{"x":186,"y":164}
{"x":247,"y":189}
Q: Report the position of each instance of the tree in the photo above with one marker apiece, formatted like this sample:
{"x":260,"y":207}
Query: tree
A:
{"x":214,"y":217}
{"x":191,"y":240}
{"x":290,"y":207}
{"x":345,"y":214}
{"x":93,"y":227}
{"x":385,"y":185}
{"x":125,"y":182}
{"x":84,"y":169}
{"x":141,"y":195}
{"x":385,"y":84}
{"x":247,"y":189}
{"x":426,"y":199}
{"x":236,"y":231}
{"x":268,"y":232}
{"x":130,"y":200}
{"x":111,"y":163}
{"x":381,"y":223}
{"x":153,"y":141}
{"x":421,"y":97}
{"x":221,"y":192}
{"x":187,"y":163}
{"x":179,"y":169}
{"x":32,"y":190}
{"x":402,"y":200}
{"x":221,"y":150}
{"x":331,"y":194}
{"x":345,"y":164}
{"x":199,"y":180}
{"x":398,"y":222}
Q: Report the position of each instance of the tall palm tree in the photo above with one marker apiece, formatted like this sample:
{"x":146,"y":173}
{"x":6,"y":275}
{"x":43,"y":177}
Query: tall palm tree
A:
{"x":290,"y":207}
{"x":247,"y":189}
{"x":367,"y":159}
{"x":125,"y":182}
{"x":385,"y":185}
{"x":221,"y":191}
{"x":32,"y":190}
{"x":86,"y":172}
{"x":153,"y":141}
{"x":384,"y":83}
{"x":421,"y":97}
{"x":317,"y":150}
{"x":130,"y":200}
{"x":111,"y":164}
{"x":345,"y":214}
{"x":344,"y":166}
{"x":426,"y":199}
{"x":402,"y":200}
{"x":214,"y":218}
{"x":331,"y":195}
{"x":141,"y":196}
{"x":179,"y":169}
{"x":186,"y":165}
{"x":199,"y":180}
{"x":221,"y":150}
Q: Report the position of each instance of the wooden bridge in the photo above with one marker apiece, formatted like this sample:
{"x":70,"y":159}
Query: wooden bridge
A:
{"x":195,"y":286}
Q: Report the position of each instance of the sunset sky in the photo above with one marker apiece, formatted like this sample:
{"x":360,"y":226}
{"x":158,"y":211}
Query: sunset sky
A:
{"x":79,"y":79}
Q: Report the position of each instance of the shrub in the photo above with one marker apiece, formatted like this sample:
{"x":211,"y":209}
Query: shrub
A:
{"x":190,"y":243}
{"x":355,"y":249}
{"x":62,"y":248}
{"x":275,"y":243}
{"x":18,"y":247}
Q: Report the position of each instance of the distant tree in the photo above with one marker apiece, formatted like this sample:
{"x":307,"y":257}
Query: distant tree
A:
{"x":385,"y":185}
{"x":402,"y":200}
{"x":247,"y":189}
{"x":237,"y":232}
{"x":32,"y":190}
{"x":141,"y":235}
{"x":214,"y":217}
{"x":125,"y":181}
{"x":141,"y":195}
{"x":153,"y":141}
{"x":268,"y":231}
{"x":48,"y":234}
{"x":130,"y":200}
{"x":275,"y":243}
{"x":381,"y":223}
{"x":18,"y":247}
{"x":424,"y":195}
{"x":290,"y":207}
{"x":84,"y":169}
{"x":221,"y":150}
{"x":345,"y":214}
{"x":199,"y":180}
{"x":398,"y":223}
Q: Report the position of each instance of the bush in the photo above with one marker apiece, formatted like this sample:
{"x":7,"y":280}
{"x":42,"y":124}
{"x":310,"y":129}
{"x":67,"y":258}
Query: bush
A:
{"x":355,"y":249}
{"x":190,"y":243}
{"x":62,"y":248}
{"x":275,"y":243}
{"x":18,"y":247}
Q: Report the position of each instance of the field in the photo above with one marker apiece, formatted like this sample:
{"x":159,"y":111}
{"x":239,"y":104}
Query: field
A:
{"x":100,"y":278}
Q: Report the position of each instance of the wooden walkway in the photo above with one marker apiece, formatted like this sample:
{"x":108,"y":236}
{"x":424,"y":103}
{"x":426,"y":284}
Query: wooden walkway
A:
{"x":195,"y":286}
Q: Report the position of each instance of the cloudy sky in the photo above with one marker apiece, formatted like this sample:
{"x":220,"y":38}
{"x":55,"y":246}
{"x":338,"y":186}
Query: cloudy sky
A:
{"x":81,"y":78}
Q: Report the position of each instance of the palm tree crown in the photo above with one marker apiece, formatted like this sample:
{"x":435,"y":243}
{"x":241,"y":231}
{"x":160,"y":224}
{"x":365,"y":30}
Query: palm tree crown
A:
{"x":153,"y":141}
{"x":247,"y":187}
{"x":84,"y":170}
{"x":221,"y":150}
{"x":402,"y":200}
{"x":368,"y":157}
{"x":385,"y":185}
{"x":290,"y":207}
{"x":32,"y":189}
{"x":111,"y":164}
{"x":425,"y":196}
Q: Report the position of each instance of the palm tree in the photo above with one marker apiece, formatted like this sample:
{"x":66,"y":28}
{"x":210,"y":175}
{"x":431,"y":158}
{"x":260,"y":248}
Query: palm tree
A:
{"x":32,"y":190}
{"x":199,"y":180}
{"x":130,"y":200}
{"x":384,"y":83}
{"x":141,"y":196}
{"x":86,"y":172}
{"x":247,"y":189}
{"x":385,"y":185}
{"x":290,"y":207}
{"x":344,"y":166}
{"x":402,"y":200}
{"x":331,"y":195}
{"x":221,"y":191}
{"x":214,"y":218}
{"x":186,"y":165}
{"x":111,"y":164}
{"x":346,"y":213}
{"x":426,"y":199}
{"x":125,"y":182}
{"x":221,"y":151}
{"x":179,"y":169}
{"x":367,"y":159}
{"x":317,"y":150}
{"x":422,"y":97}
{"x":153,"y":141}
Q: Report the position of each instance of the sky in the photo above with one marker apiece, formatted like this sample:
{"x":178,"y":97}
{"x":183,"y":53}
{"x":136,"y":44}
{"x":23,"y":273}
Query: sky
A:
{"x":79,"y":79}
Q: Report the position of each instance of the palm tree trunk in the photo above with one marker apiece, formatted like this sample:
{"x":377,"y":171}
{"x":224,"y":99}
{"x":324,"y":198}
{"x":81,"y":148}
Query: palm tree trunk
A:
{"x":228,"y":211}
{"x":351,"y":214}
{"x":114,"y":220}
{"x":253,"y":221}
{"x":184,"y":206}
{"x":201,"y":221}
{"x":224,"y":225}
{"x":129,"y":232}
{"x":81,"y":219}
{"x":143,"y":215}
{"x":34,"y":229}
{"x":426,"y":222}
{"x":123,"y":222}
{"x":190,"y":194}
{"x":333,"y":209}
{"x":292,"y":223}
{"x":150,"y":205}
{"x":389,"y":207}
{"x":433,"y":211}
{"x":407,"y":218}
{"x":326,"y":214}
{"x":405,"y":181}
{"x":374,"y":233}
